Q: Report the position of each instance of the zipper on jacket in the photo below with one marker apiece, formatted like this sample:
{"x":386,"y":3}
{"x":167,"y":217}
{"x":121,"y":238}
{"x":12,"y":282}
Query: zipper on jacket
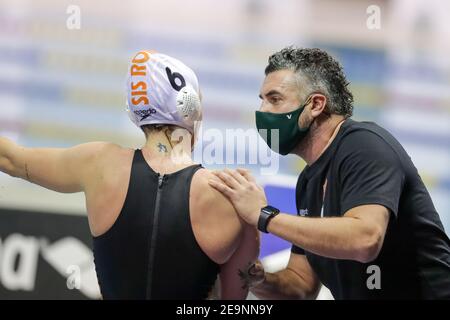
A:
{"x":155,"y":228}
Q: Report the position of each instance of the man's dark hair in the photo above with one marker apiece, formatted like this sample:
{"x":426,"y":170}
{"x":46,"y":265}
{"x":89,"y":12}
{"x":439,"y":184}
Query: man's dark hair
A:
{"x":319,"y":72}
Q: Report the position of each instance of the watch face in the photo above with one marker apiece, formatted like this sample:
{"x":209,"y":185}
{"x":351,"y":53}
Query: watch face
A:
{"x":270,"y":210}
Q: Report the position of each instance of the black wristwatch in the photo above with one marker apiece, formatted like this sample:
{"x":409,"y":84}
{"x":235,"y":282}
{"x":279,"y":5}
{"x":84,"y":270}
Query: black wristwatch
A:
{"x":266,"y":214}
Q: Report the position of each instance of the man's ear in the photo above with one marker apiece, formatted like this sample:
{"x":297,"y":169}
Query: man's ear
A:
{"x":318,"y":104}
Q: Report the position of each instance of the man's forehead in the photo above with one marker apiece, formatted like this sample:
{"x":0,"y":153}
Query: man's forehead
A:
{"x":281,"y":80}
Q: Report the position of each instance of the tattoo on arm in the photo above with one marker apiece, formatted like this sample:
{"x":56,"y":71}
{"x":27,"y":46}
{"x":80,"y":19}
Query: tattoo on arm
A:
{"x":245,"y":275}
{"x":26,"y":172}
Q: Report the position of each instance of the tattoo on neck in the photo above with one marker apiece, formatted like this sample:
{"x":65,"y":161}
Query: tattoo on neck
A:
{"x":162,"y":147}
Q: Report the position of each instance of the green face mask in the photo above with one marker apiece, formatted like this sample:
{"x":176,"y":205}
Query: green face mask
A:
{"x":287,"y":125}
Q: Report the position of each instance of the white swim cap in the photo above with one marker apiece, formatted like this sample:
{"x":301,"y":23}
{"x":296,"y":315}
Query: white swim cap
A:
{"x":162,"y":90}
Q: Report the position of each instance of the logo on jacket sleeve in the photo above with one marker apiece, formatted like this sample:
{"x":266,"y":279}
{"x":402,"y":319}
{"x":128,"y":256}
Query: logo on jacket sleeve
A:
{"x":303,"y":212}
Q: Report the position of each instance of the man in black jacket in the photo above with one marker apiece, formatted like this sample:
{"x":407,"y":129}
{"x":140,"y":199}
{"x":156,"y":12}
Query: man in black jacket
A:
{"x":367,"y":227}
